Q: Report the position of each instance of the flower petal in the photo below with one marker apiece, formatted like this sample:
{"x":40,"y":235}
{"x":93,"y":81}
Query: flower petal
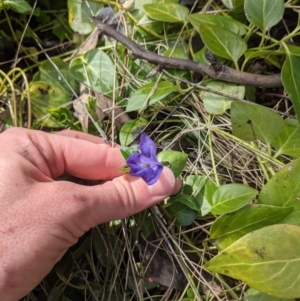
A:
{"x":145,"y":164}
{"x":147,"y":147}
{"x":149,"y":175}
{"x":140,"y":166}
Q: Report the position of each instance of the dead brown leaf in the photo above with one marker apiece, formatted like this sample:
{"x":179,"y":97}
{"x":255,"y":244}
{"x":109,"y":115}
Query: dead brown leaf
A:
{"x":106,"y":108}
{"x":160,"y":266}
{"x":81,"y":112}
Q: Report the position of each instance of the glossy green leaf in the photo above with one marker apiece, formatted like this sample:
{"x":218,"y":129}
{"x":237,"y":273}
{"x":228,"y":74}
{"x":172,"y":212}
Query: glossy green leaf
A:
{"x":80,"y":15}
{"x":146,"y":23}
{"x":185,"y":216}
{"x":222,"y":42}
{"x":148,"y":95}
{"x":126,"y":152}
{"x":267,"y":259}
{"x":231,"y":226}
{"x":131,"y":131}
{"x":45,"y":96}
{"x":202,"y":191}
{"x":255,"y":295}
{"x":199,"y":56}
{"x":178,"y":53}
{"x":218,"y":20}
{"x":232,"y":3}
{"x":196,"y":183}
{"x":283,"y":189}
{"x":96,"y":70}
{"x":171,"y":13}
{"x":288,"y":141}
{"x":269,"y":55}
{"x":264,"y":13}
{"x":48,"y":73}
{"x":62,"y":115}
{"x":217,"y":104}
{"x":187,"y":200}
{"x":251,"y":121}
{"x":19,"y":6}
{"x":231,"y":197}
{"x":290,"y":76}
{"x":175,"y":160}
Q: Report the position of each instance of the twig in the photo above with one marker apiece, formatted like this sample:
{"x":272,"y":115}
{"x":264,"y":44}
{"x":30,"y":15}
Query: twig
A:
{"x":225,"y":73}
{"x":203,"y":88}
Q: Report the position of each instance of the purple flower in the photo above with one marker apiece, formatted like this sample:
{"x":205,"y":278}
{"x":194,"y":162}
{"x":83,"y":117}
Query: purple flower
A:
{"x":145,"y":164}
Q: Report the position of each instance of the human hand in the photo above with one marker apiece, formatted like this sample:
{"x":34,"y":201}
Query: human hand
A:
{"x":40,"y":218}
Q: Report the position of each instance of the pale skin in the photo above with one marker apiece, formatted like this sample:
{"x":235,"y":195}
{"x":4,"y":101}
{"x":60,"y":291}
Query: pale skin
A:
{"x":40,"y":218}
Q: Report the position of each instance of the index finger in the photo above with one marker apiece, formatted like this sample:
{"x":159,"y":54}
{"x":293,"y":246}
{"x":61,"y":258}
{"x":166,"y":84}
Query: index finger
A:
{"x":55,"y":155}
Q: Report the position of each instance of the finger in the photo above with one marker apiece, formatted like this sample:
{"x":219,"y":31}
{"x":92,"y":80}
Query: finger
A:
{"x":82,"y":136}
{"x":87,"y":137}
{"x":55,"y":155}
{"x":117,"y":199}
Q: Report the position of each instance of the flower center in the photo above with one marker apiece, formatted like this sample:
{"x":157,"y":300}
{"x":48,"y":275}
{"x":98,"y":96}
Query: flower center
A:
{"x":145,"y":165}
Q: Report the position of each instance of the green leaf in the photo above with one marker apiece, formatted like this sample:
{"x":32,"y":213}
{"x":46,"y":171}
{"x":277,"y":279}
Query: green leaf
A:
{"x":126,"y":152}
{"x":178,"y":53}
{"x":176,"y":160}
{"x":230,"y":227}
{"x":232,"y":3}
{"x":218,"y":20}
{"x":222,"y":42}
{"x":184,"y":215}
{"x":283,"y":190}
{"x":231,"y":197}
{"x":269,"y":55}
{"x":96,"y":70}
{"x":288,"y":141}
{"x":238,"y":13}
{"x":80,"y":15}
{"x":62,"y":115}
{"x":45,"y":96}
{"x":187,"y":200}
{"x":264,"y":13}
{"x":171,"y":13}
{"x":148,"y":95}
{"x":267,"y":259}
{"x":148,"y":24}
{"x":254,"y":295}
{"x":217,"y":104}
{"x":131,"y":130}
{"x":290,"y":76}
{"x":251,"y":121}
{"x":48,"y":73}
{"x":202,"y":191}
{"x":19,"y":6}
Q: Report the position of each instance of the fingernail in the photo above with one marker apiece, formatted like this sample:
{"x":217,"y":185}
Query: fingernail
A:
{"x":177,"y":186}
{"x":165,"y":185}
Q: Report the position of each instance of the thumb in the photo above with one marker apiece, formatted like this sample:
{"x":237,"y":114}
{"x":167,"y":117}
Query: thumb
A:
{"x":123,"y":196}
{"x":128,"y":195}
